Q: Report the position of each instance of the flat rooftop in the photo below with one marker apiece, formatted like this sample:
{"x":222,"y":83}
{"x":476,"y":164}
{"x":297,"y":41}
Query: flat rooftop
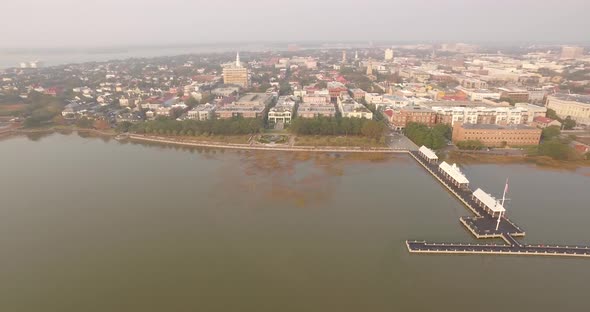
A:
{"x":416,"y":109}
{"x":573,"y":97}
{"x":497,"y":127}
{"x":456,"y":104}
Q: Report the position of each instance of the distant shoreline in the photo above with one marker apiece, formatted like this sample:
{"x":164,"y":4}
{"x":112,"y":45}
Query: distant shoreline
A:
{"x":463,"y":157}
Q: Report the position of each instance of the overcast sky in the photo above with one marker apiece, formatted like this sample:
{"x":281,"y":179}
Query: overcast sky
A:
{"x":71,"y":23}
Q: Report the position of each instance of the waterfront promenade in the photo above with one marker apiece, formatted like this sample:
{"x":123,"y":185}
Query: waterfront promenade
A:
{"x":266,"y":147}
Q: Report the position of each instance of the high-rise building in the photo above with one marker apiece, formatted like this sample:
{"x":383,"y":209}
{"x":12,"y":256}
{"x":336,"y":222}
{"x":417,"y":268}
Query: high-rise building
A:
{"x":570,"y":52}
{"x":236,"y":74}
{"x":343,"y":56}
{"x":389,"y":55}
{"x":370,"y":68}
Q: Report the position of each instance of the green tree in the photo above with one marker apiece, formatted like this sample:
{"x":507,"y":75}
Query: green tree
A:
{"x":191,"y":102}
{"x":568,"y":123}
{"x":470,"y":145}
{"x":420,"y":134}
{"x":84,"y":123}
{"x":552,"y":114}
{"x":557,"y":150}
{"x":445,"y":130}
{"x":123,"y":127}
{"x":550,"y":133}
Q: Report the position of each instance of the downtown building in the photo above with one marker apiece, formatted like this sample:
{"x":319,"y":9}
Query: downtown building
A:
{"x":497,"y":135}
{"x":283,"y":111}
{"x":236,"y":74}
{"x":250,"y":105}
{"x":400,"y":117}
{"x":575,"y":106}
{"x":571,"y":52}
{"x":349,"y":108}
{"x":481,"y":115}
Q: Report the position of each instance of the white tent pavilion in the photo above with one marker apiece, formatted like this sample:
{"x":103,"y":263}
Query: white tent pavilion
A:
{"x":488,"y":202}
{"x":454,"y":174}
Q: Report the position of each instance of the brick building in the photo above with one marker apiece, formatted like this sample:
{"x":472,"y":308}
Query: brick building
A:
{"x":497,"y":135}
{"x":401,"y":117}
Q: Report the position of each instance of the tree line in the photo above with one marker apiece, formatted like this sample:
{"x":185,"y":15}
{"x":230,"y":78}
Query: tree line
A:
{"x":233,"y":126}
{"x":568,"y":123}
{"x":434,"y":138}
{"x":338,"y":126}
{"x":41,"y":109}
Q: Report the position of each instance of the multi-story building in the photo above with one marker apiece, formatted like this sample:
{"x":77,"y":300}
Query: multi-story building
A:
{"x":569,"y":52}
{"x":308,"y":62}
{"x":479,"y":94}
{"x":372,"y":98}
{"x":254,"y":99}
{"x":453,"y":112}
{"x":515,"y":95}
{"x":544,"y":122}
{"x":357,"y":94}
{"x":472,"y":83}
{"x":236,"y":74}
{"x":537,"y":95}
{"x":336,"y":89}
{"x":349,"y":108}
{"x":250,"y":105}
{"x":388,"y":54}
{"x":533,"y":111}
{"x":225,"y":91}
{"x":232,"y":110}
{"x":496,"y":135}
{"x":282,"y":114}
{"x":571,"y":105}
{"x":316,"y":99}
{"x":202,"y":112}
{"x":283,"y":111}
{"x":400,"y":118}
{"x":307,"y":110}
{"x":392,"y":101}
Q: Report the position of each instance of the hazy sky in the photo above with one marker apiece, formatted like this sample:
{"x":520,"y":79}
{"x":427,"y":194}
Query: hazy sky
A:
{"x":58,"y":23}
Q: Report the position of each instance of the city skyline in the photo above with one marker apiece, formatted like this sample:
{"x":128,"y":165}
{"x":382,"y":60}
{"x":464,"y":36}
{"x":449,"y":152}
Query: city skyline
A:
{"x":66,"y":23}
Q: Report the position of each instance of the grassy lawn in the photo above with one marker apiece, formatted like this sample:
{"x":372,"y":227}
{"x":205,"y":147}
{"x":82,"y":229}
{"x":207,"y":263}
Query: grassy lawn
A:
{"x":11,"y":109}
{"x":234,"y":139}
{"x":350,"y":141}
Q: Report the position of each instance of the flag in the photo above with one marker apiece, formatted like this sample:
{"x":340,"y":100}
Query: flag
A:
{"x":506,"y":187}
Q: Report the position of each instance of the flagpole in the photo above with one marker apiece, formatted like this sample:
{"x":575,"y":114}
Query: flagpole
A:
{"x":503,"y":200}
{"x":505,"y":190}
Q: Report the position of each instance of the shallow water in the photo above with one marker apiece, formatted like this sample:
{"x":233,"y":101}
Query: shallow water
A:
{"x":90,"y":224}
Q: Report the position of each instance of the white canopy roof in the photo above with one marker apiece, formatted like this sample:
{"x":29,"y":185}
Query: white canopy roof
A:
{"x":487,"y":199}
{"x":454,"y":172}
{"x":428,"y":153}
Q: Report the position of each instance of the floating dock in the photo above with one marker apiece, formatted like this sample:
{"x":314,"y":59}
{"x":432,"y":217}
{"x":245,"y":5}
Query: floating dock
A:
{"x":484,"y":224}
{"x":487,"y":249}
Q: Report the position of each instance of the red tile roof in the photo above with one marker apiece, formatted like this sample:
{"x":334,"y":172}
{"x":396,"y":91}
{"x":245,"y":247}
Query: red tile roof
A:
{"x":541,"y":119}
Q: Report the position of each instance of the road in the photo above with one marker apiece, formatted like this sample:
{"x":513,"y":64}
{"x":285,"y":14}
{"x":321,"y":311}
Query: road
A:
{"x":398,"y":141}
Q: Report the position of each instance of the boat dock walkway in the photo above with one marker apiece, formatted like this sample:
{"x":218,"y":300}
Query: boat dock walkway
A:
{"x":513,"y":248}
{"x":484,"y":225}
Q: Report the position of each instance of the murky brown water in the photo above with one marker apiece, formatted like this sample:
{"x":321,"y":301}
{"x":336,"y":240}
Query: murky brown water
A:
{"x":90,"y":224}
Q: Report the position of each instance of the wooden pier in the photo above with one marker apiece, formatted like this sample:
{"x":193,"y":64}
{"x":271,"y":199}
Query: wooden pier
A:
{"x":513,"y":248}
{"x":484,"y":225}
